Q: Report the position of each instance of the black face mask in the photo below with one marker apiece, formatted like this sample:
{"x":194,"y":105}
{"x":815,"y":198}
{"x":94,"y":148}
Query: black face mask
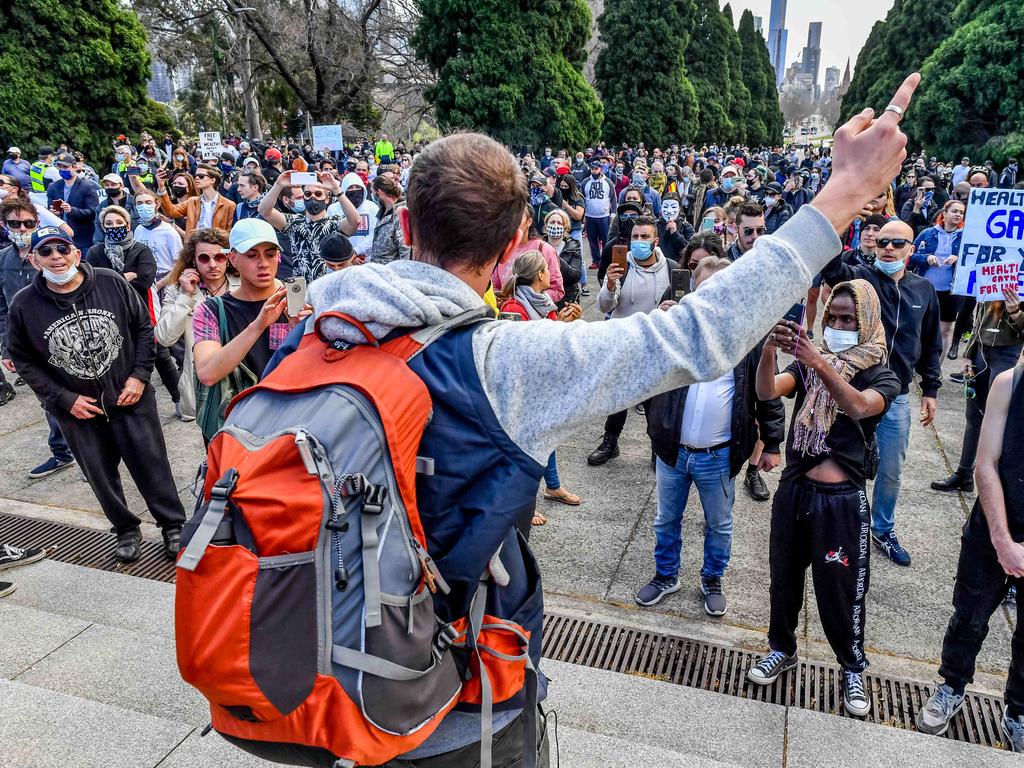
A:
{"x":355,"y":196}
{"x":315,"y":207}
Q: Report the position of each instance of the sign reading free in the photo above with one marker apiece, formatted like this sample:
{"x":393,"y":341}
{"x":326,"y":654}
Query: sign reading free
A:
{"x":992,"y":247}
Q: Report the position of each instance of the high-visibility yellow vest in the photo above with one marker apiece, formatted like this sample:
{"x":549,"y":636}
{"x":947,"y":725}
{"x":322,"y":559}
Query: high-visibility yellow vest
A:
{"x":35,"y":173}
{"x":148,"y":179}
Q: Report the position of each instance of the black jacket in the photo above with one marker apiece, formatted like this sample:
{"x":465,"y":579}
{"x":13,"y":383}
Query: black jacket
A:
{"x":571,"y":263}
{"x":776,"y":216}
{"x":84,"y":201}
{"x":916,"y":345}
{"x":751,"y":418}
{"x":87,"y":342}
{"x":15,"y":273}
{"x":138,"y":258}
{"x":673,"y":244}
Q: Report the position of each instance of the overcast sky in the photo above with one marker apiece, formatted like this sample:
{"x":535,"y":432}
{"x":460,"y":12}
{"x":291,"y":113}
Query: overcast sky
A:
{"x":845,"y":26}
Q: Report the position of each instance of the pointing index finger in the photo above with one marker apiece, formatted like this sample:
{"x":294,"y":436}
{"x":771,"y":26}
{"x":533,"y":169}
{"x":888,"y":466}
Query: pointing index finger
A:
{"x":902,"y":98}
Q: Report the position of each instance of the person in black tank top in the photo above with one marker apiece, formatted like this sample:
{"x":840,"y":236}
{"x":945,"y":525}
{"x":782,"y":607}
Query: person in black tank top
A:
{"x":991,"y":562}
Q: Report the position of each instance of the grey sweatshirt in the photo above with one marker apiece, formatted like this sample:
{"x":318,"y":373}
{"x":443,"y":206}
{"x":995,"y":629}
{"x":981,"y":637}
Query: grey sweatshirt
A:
{"x":639,"y":290}
{"x":544,"y":381}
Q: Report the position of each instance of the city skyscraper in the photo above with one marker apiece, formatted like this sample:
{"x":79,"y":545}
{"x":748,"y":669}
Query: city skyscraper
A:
{"x":777,"y":38}
{"x":812,"y":54}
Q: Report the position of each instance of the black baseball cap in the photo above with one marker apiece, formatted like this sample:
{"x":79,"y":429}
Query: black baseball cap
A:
{"x":336,"y":249}
{"x":775,"y":188}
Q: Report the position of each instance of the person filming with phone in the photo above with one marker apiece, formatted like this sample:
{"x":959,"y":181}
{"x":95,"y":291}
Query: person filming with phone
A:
{"x":820,"y":514}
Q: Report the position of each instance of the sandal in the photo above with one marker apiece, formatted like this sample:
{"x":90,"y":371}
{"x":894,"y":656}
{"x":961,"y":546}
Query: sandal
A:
{"x":538,"y":519}
{"x":563,"y":496}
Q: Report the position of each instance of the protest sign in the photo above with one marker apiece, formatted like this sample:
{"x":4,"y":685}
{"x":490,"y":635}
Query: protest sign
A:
{"x":992,"y":245}
{"x":209,"y":144}
{"x":327,"y":137}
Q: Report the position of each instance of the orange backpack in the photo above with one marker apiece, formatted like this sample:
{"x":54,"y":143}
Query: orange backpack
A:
{"x":304,"y":609}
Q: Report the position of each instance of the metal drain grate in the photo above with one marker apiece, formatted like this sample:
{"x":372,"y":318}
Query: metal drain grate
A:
{"x":654,"y":655}
{"x":721,"y":669}
{"x":84,"y":546}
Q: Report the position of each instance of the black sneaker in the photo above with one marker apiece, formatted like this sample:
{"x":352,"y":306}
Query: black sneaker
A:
{"x":768,"y":669}
{"x":6,"y":588}
{"x":7,"y":393}
{"x":608,"y":449}
{"x":654,"y":592}
{"x":129,"y":546}
{"x":48,"y":467}
{"x":714,"y":598}
{"x":11,"y":556}
{"x":756,"y":486}
{"x":585,"y":291}
{"x":855,"y":698}
{"x":957,"y":377}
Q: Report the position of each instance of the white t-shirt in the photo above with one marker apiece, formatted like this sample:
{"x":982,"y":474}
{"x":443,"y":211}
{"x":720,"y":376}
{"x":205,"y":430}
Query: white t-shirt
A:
{"x":597,"y":197}
{"x":362,"y":238}
{"x":165,"y":243}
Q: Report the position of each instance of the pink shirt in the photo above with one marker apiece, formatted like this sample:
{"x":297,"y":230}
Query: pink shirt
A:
{"x":504,"y":269}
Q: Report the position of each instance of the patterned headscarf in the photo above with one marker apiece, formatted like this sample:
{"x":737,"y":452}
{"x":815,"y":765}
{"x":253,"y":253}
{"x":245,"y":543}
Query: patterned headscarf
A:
{"x":819,"y":411}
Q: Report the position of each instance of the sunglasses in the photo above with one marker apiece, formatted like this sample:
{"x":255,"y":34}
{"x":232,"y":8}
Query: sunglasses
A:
{"x":748,"y":231}
{"x":203,"y":176}
{"x":45,"y":250}
{"x":12,"y":224}
{"x":314,"y":195}
{"x":897,"y":242}
{"x":206,"y":258}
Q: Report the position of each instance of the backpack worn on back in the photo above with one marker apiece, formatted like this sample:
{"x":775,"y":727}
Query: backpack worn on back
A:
{"x":304,"y":608}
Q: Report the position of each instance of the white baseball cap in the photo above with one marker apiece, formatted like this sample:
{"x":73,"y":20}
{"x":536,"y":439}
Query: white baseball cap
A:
{"x":12,"y":150}
{"x":248,"y":233}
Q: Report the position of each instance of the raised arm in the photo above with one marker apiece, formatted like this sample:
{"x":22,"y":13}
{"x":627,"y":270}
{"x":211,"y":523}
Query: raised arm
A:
{"x":267,"y":208}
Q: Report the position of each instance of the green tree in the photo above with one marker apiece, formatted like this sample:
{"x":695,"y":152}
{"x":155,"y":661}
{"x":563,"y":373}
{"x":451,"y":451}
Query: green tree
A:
{"x":971,"y":99}
{"x":74,"y":71}
{"x":511,"y":70}
{"x":709,"y":70}
{"x":765,"y":124}
{"x":646,"y":92}
{"x":740,"y":104}
{"x":912,"y":30}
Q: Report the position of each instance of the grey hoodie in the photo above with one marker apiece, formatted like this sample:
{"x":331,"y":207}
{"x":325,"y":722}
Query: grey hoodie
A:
{"x":546,"y":380}
{"x":639,"y":290}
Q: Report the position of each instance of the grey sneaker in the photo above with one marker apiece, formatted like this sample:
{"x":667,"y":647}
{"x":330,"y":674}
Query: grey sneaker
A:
{"x":714,"y":598}
{"x":654,"y":592}
{"x":768,"y":669}
{"x":943,"y":705}
{"x":1013,"y":730}
{"x":855,"y":699}
{"x":6,"y":588}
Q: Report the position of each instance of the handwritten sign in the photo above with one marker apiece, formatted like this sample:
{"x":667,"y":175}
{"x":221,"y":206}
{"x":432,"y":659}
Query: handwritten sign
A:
{"x":992,"y":246}
{"x":327,"y":137}
{"x":209,"y":144}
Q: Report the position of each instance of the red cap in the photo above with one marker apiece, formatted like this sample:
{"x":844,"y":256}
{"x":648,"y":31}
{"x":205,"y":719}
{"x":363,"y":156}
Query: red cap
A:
{"x":739,"y":161}
{"x":273,"y":154}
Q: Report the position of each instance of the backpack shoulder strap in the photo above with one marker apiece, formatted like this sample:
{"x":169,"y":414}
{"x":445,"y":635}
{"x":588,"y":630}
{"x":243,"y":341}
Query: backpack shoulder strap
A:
{"x":427,"y":336}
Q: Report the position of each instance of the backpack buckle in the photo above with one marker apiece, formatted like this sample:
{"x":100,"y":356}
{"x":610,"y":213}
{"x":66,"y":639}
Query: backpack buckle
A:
{"x":373,"y":499}
{"x":224,"y":487}
{"x":444,"y":639}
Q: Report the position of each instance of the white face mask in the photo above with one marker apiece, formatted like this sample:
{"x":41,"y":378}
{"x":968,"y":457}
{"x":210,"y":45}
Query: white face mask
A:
{"x":4,"y":193}
{"x":669,"y":210}
{"x":769,"y":201}
{"x":61,"y":279}
{"x":20,"y":238}
{"x":840,"y":341}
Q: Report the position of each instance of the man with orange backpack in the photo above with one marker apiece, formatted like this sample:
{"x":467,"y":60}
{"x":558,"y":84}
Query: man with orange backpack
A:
{"x":425,"y":426}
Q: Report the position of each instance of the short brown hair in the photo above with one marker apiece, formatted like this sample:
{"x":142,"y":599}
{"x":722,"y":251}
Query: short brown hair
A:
{"x":646,"y":220}
{"x":187,"y":258}
{"x":712,"y":264}
{"x":210,"y":169}
{"x":388,"y":185}
{"x":466,"y":198}
{"x":750,"y":209}
{"x":256,"y":179}
{"x":17,"y":203}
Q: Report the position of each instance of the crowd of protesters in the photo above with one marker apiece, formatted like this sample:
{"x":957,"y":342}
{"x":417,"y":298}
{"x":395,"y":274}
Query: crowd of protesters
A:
{"x":177,"y":259}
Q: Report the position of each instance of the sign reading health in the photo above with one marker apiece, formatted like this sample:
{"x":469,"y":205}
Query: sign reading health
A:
{"x":992,"y":247}
{"x":328,"y":137}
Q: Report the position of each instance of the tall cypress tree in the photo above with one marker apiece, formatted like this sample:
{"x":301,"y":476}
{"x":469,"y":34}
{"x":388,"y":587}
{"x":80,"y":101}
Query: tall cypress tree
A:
{"x":708,"y":60}
{"x":971,"y":99}
{"x":765,"y":124}
{"x":513,"y":71}
{"x":645,"y":88}
{"x":912,"y":30}
{"x":740,"y":105}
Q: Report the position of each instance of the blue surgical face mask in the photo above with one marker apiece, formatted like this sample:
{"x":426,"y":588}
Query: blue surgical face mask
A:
{"x":840,"y":341}
{"x":146,"y":211}
{"x":641,"y":249}
{"x":728,"y":184}
{"x":299,"y":206}
{"x":65,"y":173}
{"x":890,"y":267}
{"x":61,"y":279}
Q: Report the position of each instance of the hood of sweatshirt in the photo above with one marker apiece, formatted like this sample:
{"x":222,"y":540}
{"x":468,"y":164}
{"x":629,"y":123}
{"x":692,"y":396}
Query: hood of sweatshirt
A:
{"x":351,"y":180}
{"x":400,"y":294}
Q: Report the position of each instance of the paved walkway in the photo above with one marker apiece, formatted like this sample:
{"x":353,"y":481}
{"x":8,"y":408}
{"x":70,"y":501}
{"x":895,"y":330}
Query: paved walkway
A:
{"x":86,"y":658}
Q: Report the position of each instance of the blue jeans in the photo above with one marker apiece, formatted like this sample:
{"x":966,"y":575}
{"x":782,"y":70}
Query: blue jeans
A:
{"x":717,"y":491}
{"x":551,"y":481}
{"x":893,"y":434}
{"x":58,"y":445}
{"x":597,"y":236}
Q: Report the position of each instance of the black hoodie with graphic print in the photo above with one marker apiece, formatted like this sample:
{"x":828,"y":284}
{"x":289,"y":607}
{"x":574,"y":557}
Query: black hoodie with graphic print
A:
{"x":86,"y":342}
